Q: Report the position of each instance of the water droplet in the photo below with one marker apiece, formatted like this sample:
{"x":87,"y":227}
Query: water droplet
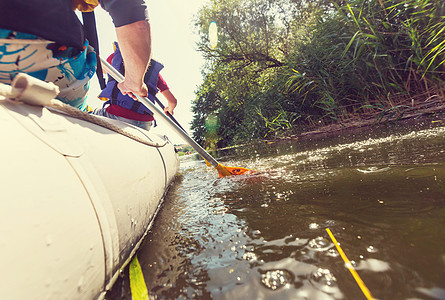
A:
{"x":324,"y":277}
{"x":314,"y":226}
{"x":333,"y":253}
{"x":372,"y":249}
{"x":275,"y":279}
{"x":256,"y":232}
{"x":319,"y":244}
{"x":249,"y":256}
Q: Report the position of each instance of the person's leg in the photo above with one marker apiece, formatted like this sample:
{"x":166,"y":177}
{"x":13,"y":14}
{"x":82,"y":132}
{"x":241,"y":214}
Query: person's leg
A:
{"x":73,"y":76}
{"x":68,"y":68}
{"x":144,"y":125}
{"x":103,"y":112}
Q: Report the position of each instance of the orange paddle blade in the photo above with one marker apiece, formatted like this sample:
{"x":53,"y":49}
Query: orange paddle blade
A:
{"x":227,"y":171}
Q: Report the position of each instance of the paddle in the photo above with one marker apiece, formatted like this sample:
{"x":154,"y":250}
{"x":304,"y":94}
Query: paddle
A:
{"x":222,"y":170}
{"x":168,"y":114}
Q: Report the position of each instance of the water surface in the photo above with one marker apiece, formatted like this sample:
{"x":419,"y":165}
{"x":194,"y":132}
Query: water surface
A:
{"x":263,"y":236}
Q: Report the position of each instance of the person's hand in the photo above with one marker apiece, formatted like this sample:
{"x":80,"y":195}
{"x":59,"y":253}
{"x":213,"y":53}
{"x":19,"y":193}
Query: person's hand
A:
{"x":168,"y":109}
{"x":172,"y":102}
{"x":131,"y":89}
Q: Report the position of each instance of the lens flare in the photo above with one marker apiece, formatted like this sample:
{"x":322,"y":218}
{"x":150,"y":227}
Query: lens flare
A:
{"x":213,"y":35}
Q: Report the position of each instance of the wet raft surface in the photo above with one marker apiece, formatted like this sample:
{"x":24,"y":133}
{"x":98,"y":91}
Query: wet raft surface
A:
{"x":381,"y":193}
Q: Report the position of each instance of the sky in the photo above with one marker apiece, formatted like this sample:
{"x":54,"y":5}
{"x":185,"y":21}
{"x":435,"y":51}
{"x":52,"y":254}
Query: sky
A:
{"x":174,"y":45}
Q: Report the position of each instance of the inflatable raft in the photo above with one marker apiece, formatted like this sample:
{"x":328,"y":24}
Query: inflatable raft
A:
{"x":76,"y":200}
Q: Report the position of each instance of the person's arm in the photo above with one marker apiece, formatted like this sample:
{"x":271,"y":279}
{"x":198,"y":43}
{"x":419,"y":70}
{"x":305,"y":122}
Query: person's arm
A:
{"x":135,"y":44}
{"x":134,"y":37}
{"x":172,"y":101}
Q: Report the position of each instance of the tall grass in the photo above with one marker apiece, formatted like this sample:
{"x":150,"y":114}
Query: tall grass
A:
{"x":371,"y":55}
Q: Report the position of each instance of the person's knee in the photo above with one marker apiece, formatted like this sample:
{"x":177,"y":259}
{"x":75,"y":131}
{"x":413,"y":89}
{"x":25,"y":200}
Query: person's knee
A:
{"x":147,"y":126}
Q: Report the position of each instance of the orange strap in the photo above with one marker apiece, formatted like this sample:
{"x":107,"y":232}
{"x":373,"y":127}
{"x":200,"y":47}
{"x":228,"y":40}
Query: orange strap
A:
{"x":85,"y":5}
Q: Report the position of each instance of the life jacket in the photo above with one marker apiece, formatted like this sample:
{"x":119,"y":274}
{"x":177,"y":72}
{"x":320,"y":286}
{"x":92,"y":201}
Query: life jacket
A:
{"x":115,"y":97}
{"x":48,"y":19}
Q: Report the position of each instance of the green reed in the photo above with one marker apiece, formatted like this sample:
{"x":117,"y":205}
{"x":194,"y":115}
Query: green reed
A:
{"x":370,"y":55}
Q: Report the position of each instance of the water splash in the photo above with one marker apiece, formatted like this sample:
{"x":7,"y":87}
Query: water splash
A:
{"x":276,"y":279}
{"x":319,"y":244}
{"x":324,"y":277}
{"x":332,"y":253}
{"x":250,"y":256}
{"x":374,"y":265}
{"x":314,"y":226}
{"x":373,"y":170}
{"x":326,"y":282}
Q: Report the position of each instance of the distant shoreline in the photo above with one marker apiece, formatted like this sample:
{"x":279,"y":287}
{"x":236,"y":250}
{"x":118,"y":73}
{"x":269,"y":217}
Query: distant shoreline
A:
{"x":433,"y":114}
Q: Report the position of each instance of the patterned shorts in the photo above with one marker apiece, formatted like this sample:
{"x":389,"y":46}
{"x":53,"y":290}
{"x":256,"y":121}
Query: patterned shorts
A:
{"x":66,"y":67}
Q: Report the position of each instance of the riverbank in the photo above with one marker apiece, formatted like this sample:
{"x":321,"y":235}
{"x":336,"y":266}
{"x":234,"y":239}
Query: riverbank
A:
{"x":415,"y":110}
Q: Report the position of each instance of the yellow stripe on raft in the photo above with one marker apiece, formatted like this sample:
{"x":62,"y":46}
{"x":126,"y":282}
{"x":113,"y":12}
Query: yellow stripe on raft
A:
{"x":137,"y":282}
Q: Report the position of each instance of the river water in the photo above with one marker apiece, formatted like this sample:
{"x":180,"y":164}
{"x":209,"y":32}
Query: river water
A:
{"x":381,"y":192}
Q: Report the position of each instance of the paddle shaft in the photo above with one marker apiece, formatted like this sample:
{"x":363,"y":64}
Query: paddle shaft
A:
{"x":168,"y":114}
{"x":119,"y":78}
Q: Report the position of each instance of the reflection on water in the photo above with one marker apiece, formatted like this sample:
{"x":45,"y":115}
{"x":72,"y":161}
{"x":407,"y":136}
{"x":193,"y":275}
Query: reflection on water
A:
{"x":263,"y":236}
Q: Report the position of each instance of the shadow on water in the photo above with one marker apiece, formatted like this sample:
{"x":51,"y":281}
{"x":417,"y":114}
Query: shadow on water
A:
{"x":263,"y":236}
